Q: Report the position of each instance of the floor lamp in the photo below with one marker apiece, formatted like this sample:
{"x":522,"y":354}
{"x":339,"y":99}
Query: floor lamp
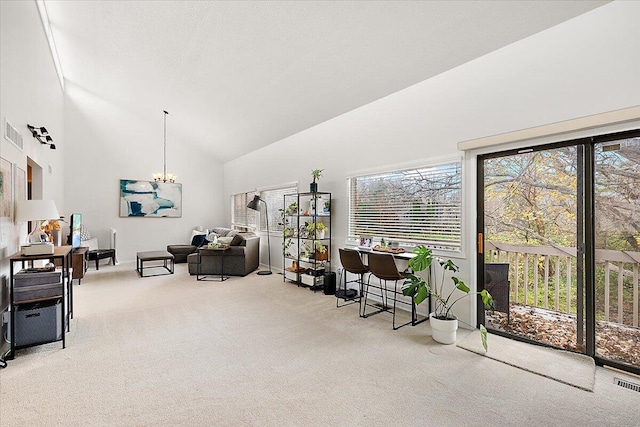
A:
{"x":254,"y":206}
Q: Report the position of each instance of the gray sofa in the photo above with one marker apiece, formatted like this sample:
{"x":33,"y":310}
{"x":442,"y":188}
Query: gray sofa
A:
{"x":242,"y":257}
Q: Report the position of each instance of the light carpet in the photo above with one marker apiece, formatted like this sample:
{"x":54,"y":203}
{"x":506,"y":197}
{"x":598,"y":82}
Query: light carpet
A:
{"x":256,"y":351}
{"x":569,"y":368}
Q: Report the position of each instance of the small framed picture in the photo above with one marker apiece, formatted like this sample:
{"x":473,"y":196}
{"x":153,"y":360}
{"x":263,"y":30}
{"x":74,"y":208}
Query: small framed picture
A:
{"x":365,"y":241}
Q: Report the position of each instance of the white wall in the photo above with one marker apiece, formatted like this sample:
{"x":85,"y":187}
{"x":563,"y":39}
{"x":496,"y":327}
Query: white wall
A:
{"x":106,"y":143}
{"x":585,"y":66}
{"x":30,"y":93}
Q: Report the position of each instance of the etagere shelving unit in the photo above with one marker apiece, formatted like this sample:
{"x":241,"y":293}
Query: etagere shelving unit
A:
{"x":306,"y":219}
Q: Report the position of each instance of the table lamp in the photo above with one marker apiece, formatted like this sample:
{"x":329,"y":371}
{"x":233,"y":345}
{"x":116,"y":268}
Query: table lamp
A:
{"x":37,"y":210}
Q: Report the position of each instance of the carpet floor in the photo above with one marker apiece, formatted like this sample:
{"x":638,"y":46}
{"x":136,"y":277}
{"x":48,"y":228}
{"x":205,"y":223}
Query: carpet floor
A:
{"x":569,"y":368}
{"x":256,"y":351}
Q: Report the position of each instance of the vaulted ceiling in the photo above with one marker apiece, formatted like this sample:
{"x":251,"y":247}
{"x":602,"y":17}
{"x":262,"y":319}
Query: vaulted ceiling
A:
{"x":239,"y":75}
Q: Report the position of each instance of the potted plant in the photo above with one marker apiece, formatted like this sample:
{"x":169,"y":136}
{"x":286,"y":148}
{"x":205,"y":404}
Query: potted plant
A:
{"x":316,"y":174}
{"x":321,"y":252}
{"x":314,"y":230}
{"x":444,"y":323}
{"x":320,"y":230}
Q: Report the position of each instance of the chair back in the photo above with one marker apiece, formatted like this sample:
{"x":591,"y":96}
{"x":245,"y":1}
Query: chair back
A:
{"x":351,"y":261}
{"x":383,"y":266}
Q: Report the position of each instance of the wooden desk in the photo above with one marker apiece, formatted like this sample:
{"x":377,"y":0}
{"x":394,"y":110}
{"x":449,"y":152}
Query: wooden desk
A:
{"x":62,"y":253}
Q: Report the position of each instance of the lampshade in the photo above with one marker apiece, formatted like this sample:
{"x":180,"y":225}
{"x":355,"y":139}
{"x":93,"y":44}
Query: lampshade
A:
{"x":36,"y":210}
{"x":254,"y":203}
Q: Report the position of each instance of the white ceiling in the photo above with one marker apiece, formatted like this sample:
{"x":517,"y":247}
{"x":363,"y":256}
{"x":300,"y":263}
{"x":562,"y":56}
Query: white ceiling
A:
{"x":239,"y":75}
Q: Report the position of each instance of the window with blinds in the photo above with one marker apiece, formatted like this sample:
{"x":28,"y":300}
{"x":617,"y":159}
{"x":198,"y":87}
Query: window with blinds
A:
{"x":274,"y":198}
{"x":413,"y":206}
{"x":242,"y":216}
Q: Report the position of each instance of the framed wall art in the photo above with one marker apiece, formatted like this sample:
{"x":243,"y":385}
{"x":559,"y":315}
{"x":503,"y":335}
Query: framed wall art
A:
{"x":150,"y":199}
{"x":6,"y":201}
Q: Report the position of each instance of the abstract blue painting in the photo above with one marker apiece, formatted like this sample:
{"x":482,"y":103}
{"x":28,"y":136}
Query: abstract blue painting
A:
{"x":150,"y":199}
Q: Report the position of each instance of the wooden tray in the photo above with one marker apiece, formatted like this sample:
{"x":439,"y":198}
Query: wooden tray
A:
{"x":389,"y":250}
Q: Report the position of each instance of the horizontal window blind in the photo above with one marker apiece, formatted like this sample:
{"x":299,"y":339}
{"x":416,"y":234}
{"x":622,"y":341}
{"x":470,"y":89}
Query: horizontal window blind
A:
{"x":413,"y":206}
{"x":242,"y":216}
{"x":274,"y":199}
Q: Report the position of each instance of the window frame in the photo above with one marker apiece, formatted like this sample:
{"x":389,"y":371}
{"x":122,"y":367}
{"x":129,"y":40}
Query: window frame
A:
{"x":457,"y":248}
{"x":248,"y":213}
{"x":274,"y":202}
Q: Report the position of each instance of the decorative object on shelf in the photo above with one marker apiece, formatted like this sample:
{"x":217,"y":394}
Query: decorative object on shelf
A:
{"x":163,"y":177}
{"x":314,"y":230}
{"x":254,"y":205}
{"x":37,"y":210}
{"x":316,"y":174}
{"x":42,"y":135}
{"x":444,"y":323}
{"x":321,"y":252}
{"x":150,"y":199}
{"x":51,"y":228}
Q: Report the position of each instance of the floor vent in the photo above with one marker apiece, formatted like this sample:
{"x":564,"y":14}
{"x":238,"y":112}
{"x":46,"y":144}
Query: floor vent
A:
{"x":12,"y":134}
{"x":626,"y":384}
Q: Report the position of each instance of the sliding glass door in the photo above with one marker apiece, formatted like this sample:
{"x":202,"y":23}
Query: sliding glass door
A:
{"x":559,"y":245}
{"x":533,"y":215}
{"x":617,"y":249}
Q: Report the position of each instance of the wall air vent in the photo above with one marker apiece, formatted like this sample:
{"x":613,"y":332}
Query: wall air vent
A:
{"x":12,"y":134}
{"x":626,"y":384}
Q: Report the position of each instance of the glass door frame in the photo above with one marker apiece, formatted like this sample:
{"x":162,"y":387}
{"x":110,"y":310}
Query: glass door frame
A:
{"x":585,"y":226}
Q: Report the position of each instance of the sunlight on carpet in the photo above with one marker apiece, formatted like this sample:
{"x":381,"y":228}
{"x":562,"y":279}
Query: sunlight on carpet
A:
{"x":573,"y":369}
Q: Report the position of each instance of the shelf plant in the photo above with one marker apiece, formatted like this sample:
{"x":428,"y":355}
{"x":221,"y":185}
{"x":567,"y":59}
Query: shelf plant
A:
{"x":420,"y":289}
{"x":315,"y":174}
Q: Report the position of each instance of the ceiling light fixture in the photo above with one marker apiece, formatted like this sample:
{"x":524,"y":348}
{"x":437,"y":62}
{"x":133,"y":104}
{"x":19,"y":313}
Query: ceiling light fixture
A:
{"x":42,"y":135}
{"x":163,"y":176}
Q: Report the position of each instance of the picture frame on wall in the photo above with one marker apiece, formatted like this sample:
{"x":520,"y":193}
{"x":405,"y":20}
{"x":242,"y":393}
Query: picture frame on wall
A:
{"x":20,"y":183}
{"x":150,"y":199}
{"x":6,"y":200}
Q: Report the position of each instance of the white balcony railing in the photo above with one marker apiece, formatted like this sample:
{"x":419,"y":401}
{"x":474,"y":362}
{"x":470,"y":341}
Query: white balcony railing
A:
{"x":546,"y":276}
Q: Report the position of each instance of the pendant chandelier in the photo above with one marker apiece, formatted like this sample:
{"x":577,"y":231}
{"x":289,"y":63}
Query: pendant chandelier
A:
{"x":164,"y":177}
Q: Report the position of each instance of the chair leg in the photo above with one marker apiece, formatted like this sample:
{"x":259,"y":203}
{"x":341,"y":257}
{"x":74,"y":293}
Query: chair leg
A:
{"x":366,"y":294}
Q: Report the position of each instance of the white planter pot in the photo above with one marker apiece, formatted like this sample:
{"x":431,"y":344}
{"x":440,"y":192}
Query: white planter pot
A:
{"x":320,"y":234}
{"x":443,"y":331}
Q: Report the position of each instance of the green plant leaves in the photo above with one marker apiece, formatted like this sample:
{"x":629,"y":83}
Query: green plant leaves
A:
{"x":483,"y":335}
{"x":461,"y":285}
{"x":487,"y":299}
{"x":422,"y":260}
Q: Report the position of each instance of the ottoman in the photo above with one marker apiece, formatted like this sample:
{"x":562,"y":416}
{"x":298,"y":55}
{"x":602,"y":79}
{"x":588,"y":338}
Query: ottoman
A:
{"x":99,"y":254}
{"x":180,"y":252}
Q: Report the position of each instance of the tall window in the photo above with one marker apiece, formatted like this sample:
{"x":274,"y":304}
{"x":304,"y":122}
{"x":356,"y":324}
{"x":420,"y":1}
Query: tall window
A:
{"x":275,"y":201}
{"x":412,"y":206}
{"x":241,"y":215}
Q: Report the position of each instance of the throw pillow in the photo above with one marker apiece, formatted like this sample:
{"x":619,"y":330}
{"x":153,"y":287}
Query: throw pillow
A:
{"x":225,"y":240}
{"x":197,"y":233}
{"x":199,"y":240}
{"x":221,"y":231}
{"x":237,"y":240}
{"x":232,"y":233}
{"x":84,"y":234}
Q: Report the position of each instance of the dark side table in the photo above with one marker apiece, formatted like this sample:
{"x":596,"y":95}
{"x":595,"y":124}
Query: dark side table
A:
{"x":99,"y":254}
{"x":212,"y":252}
